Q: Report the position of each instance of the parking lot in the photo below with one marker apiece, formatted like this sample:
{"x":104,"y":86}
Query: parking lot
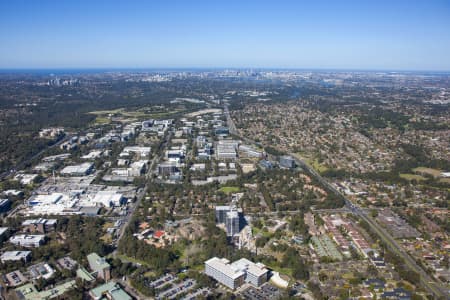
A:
{"x":266,"y":291}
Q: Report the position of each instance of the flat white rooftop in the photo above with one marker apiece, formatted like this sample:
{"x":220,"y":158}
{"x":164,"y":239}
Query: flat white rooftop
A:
{"x":257,"y":269}
{"x":15,"y":255}
{"x":223,"y":266}
{"x":27,"y":238}
{"x":77,"y":169}
{"x":39,"y":221}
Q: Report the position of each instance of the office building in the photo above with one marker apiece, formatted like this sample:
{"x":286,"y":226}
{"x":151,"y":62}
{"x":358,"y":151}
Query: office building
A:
{"x":223,"y":131}
{"x":39,"y":225}
{"x":147,"y":125}
{"x":176,"y":155}
{"x":14,"y":278}
{"x":142,"y":152}
{"x":235,"y":274}
{"x":41,"y":270}
{"x":109,"y":198}
{"x":168,"y":168}
{"x":78,"y":170}
{"x":226,"y":149}
{"x":250,"y":152}
{"x":256,"y":273}
{"x":100,"y":266}
{"x":220,"y":270}
{"x":15,"y":256}
{"x":66,"y":263}
{"x":287,"y":162}
{"x":26,"y":240}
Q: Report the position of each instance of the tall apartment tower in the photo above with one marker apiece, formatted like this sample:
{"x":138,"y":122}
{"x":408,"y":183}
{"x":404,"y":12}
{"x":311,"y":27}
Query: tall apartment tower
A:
{"x":232,"y":222}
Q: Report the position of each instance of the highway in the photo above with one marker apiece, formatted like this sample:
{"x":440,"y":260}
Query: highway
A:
{"x":428,"y":283}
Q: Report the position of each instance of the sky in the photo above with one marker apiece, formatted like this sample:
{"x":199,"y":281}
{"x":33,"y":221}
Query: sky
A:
{"x":363,"y":35}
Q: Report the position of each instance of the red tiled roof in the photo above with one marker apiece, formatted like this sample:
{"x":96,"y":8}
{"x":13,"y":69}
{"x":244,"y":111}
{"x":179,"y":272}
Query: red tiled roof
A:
{"x":158,"y":234}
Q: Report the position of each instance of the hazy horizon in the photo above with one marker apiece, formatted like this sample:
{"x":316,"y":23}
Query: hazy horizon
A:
{"x":348,"y":35}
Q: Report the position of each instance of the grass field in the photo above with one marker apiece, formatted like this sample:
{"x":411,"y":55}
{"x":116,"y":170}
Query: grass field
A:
{"x":412,"y":177}
{"x":125,"y":258}
{"x":445,"y":180}
{"x":423,"y":170}
{"x":229,"y":189}
{"x":102,"y":120}
{"x":318,"y":166}
{"x":282,"y":271}
{"x":313,"y":162}
{"x":105,"y":112}
{"x":140,"y":113}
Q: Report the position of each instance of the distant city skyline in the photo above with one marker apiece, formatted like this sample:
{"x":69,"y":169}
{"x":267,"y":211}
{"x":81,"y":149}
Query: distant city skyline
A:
{"x":348,"y":35}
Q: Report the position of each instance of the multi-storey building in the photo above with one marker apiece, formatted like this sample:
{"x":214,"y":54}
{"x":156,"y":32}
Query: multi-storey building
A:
{"x":235,"y":274}
{"x":100,"y":266}
{"x":39,"y":225}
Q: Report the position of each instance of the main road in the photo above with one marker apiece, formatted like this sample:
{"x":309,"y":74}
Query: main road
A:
{"x":427,"y":282}
{"x":141,"y":192}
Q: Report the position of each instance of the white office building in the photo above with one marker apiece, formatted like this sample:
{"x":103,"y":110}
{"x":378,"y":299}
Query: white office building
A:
{"x":26,"y":240}
{"x":15,"y":256}
{"x":108,"y":198}
{"x":221,"y":270}
{"x":256,"y":273}
{"x":78,"y":170}
{"x":226,"y":149}
{"x":235,"y":274}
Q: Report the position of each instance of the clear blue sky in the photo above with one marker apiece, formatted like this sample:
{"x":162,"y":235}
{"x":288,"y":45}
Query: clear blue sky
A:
{"x":400,"y":35}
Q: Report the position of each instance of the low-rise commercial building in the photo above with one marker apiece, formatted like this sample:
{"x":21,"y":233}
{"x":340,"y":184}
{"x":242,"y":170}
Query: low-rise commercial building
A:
{"x":26,"y":240}
{"x":15,"y":256}
{"x":109,"y":198}
{"x":168,"y":168}
{"x":287,"y":162}
{"x":226,"y":149}
{"x":66,"y":263}
{"x":14,"y":278}
{"x":78,"y":170}
{"x":41,"y":270}
{"x":39,"y":225}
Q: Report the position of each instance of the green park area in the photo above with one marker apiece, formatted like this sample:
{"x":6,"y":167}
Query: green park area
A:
{"x":411,"y":177}
{"x":229,"y":189}
{"x":427,"y":171}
